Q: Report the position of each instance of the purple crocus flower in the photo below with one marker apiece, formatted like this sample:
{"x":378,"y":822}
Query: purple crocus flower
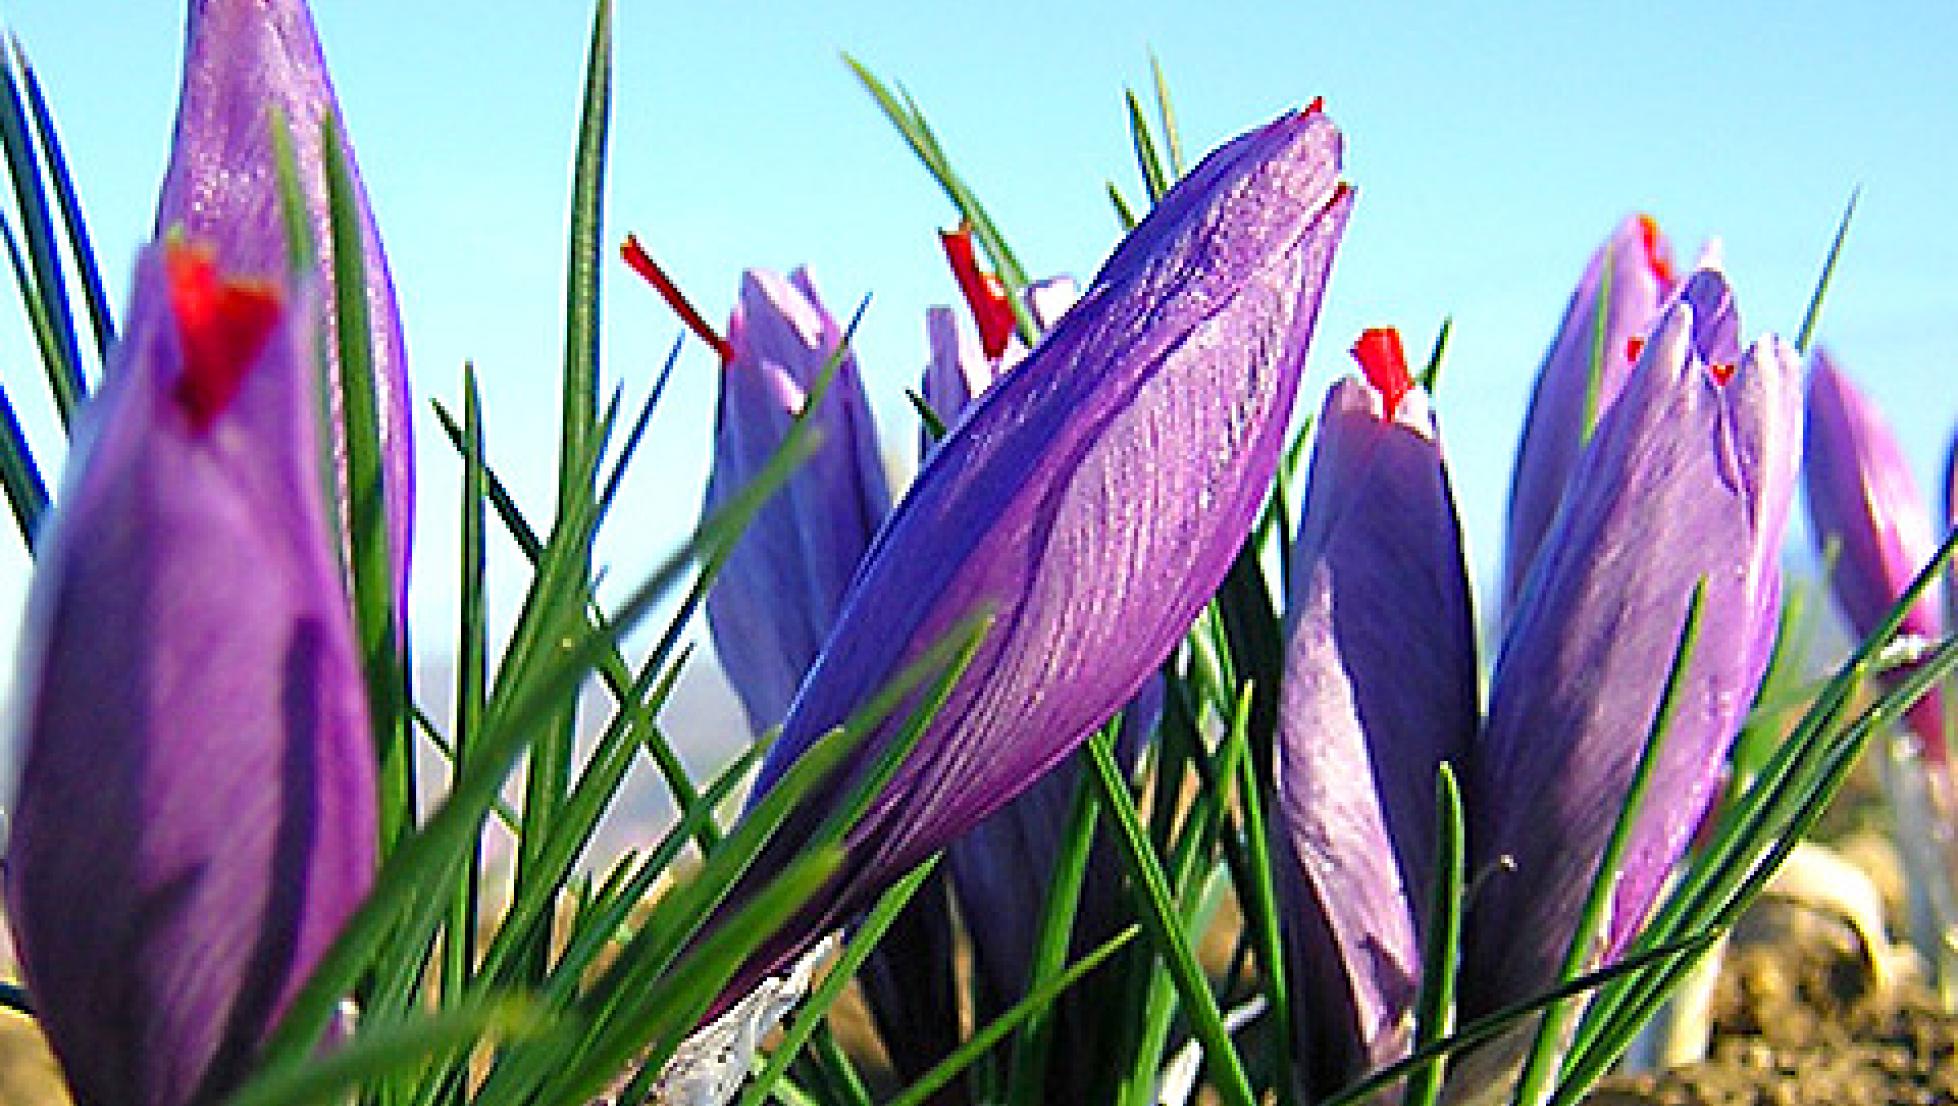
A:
{"x":1379,"y":689}
{"x":1688,"y":479}
{"x":195,"y":813}
{"x":1637,"y":264}
{"x":247,"y":65}
{"x":1037,"y":509}
{"x":1862,"y":497}
{"x":780,"y":589}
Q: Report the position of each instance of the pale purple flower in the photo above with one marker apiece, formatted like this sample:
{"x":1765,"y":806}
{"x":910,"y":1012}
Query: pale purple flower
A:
{"x":1090,"y":502}
{"x":195,"y":813}
{"x":1637,"y":264}
{"x":1863,"y":500}
{"x":1688,"y":479}
{"x":1379,"y":689}
{"x":249,"y":64}
{"x":779,"y":592}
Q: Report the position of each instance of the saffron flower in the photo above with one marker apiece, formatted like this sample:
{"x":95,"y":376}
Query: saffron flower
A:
{"x":1379,"y":689}
{"x":1863,"y":500}
{"x":779,"y":591}
{"x":1613,"y":307}
{"x":1186,"y":349}
{"x":249,"y":66}
{"x":1687,"y":482}
{"x":195,"y":815}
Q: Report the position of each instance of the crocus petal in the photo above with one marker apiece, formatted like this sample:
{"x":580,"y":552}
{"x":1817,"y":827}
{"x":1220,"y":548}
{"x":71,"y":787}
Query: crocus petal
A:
{"x":1687,"y":480}
{"x":195,"y":813}
{"x":1635,"y":260}
{"x":780,"y":590}
{"x":1862,"y":497}
{"x":244,"y":61}
{"x":1091,"y":502}
{"x":1379,"y":689}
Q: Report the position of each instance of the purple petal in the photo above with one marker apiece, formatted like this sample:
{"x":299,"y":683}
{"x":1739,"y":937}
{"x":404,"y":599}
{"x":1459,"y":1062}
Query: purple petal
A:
{"x":1553,"y":433}
{"x":195,"y":814}
{"x":1688,"y":479}
{"x":245,"y":60}
{"x":1862,"y":497}
{"x":1091,"y":501}
{"x":1379,"y":689}
{"x":779,"y":593}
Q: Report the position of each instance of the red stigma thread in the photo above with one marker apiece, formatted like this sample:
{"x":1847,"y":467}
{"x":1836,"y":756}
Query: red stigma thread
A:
{"x":642,"y":263}
{"x":222,"y":325}
{"x":1722,"y":371}
{"x":1317,"y":105}
{"x":984,"y":295}
{"x":1657,"y":258}
{"x":1380,"y":356}
{"x":1634,"y":347}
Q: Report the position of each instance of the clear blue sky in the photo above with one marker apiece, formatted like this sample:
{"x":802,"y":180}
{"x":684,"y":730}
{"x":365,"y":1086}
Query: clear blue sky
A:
{"x":1492,"y":151}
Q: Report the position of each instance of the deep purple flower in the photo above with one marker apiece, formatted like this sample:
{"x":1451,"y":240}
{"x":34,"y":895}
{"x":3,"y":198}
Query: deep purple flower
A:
{"x":1091,"y":502}
{"x":1379,"y":689}
{"x":1862,"y":497}
{"x":1636,"y":262}
{"x":195,"y":812}
{"x":247,"y":65}
{"x":1687,"y":480}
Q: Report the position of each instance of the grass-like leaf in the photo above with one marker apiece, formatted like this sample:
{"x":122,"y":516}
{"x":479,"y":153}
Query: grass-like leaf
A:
{"x":825,"y":994}
{"x":387,"y":1050}
{"x":27,"y":493}
{"x":1431,"y":373}
{"x":49,"y":286}
{"x":80,"y":249}
{"x":1812,"y":317}
{"x":1600,"y":325}
{"x":1039,"y":998}
{"x":370,"y":564}
{"x":1166,"y":118}
{"x":905,"y":115}
{"x":1160,"y":921}
{"x":1156,"y":177}
{"x":1434,"y":1003}
{"x":1542,"y":1058}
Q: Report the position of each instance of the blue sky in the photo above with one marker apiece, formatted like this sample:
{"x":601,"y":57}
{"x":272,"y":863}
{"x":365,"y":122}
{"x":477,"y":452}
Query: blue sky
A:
{"x":1492,"y":150}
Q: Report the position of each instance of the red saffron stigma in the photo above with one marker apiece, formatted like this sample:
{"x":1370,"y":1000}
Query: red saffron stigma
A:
{"x":1722,"y":371}
{"x":1317,"y":105}
{"x":984,"y":295}
{"x":222,"y":324}
{"x":642,"y":263}
{"x":1657,"y":257}
{"x":1633,"y":347}
{"x":1379,"y":353}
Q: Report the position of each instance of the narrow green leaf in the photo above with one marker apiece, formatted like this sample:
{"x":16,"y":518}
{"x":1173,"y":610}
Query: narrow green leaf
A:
{"x":61,"y":385}
{"x":1155,"y":178}
{"x":101,"y":317}
{"x":548,"y":774}
{"x":1544,"y":1053}
{"x":1434,"y":1004}
{"x":1124,"y":214}
{"x":1261,"y":912}
{"x":385,"y":1050}
{"x":825,"y":994}
{"x":471,"y":674}
{"x":982,"y":1041}
{"x":1432,"y":373}
{"x":933,"y":425}
{"x":1027,"y":1076}
{"x":1490,"y":1026}
{"x":1160,"y":922}
{"x":665,"y":1016}
{"x":910,"y":122}
{"x":1166,"y":116}
{"x":1812,"y":317}
{"x":27,"y":493}
{"x":50,"y":283}
{"x":1600,"y":321}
